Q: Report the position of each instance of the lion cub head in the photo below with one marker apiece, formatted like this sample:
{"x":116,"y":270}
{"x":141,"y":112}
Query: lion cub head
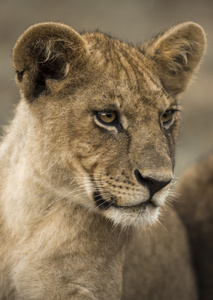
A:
{"x":106,"y":114}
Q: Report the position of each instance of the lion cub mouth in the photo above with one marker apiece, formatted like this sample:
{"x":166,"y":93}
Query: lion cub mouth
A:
{"x":142,"y":214}
{"x":103,"y":204}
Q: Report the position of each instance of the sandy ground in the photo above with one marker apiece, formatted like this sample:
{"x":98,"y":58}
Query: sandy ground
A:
{"x":133,"y":21}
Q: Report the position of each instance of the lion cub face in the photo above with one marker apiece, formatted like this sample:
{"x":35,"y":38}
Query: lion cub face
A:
{"x":124,"y":147}
{"x":108,"y":113}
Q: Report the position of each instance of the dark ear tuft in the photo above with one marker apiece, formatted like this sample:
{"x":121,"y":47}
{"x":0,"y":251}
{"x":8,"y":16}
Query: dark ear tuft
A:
{"x":46,"y":51}
{"x":177,"y":54}
{"x":52,"y":63}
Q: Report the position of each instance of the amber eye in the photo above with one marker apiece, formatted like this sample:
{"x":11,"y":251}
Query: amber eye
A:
{"x":167,"y":118}
{"x":107,"y":118}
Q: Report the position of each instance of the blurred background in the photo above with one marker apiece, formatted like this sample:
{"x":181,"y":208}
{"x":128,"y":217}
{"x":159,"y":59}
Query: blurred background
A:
{"x":130,"y":20}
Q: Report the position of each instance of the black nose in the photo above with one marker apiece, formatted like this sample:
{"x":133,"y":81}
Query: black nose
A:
{"x":153,"y":185}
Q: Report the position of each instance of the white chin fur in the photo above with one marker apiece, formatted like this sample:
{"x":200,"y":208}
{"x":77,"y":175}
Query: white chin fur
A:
{"x":126,"y":217}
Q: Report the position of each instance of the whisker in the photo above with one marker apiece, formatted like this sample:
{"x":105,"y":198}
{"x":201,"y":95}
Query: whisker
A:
{"x":80,"y":194}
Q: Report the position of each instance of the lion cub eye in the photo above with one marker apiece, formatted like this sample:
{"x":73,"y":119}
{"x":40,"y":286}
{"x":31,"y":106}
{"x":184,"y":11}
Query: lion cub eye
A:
{"x":167,"y":118}
{"x":109,"y":118}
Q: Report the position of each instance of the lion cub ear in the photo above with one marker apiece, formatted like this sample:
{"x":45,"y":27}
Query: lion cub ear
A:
{"x":45,"y":55}
{"x":177,"y":54}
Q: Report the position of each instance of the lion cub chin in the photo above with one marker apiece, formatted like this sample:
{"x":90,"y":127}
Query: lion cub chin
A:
{"x":87,"y":163}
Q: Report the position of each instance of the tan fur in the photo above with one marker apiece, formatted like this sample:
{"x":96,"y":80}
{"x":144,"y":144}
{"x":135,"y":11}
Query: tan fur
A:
{"x":73,"y":187}
{"x":195,"y":207}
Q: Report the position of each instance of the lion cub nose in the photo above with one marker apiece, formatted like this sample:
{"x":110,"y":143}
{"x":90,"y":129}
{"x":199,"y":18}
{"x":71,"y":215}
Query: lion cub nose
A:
{"x":152,"y":184}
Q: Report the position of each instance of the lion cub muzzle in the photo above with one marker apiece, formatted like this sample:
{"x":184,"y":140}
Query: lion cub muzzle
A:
{"x":132,"y":199}
{"x":138,"y":196}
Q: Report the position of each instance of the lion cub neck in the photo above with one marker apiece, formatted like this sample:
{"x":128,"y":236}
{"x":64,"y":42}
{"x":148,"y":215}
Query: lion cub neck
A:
{"x":33,"y":200}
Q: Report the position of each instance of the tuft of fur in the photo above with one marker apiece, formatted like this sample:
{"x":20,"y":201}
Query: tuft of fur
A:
{"x":74,"y":186}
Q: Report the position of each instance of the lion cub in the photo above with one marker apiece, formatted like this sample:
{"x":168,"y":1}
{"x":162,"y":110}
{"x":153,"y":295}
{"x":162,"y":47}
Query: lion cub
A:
{"x":88,"y":161}
{"x":195,"y":207}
